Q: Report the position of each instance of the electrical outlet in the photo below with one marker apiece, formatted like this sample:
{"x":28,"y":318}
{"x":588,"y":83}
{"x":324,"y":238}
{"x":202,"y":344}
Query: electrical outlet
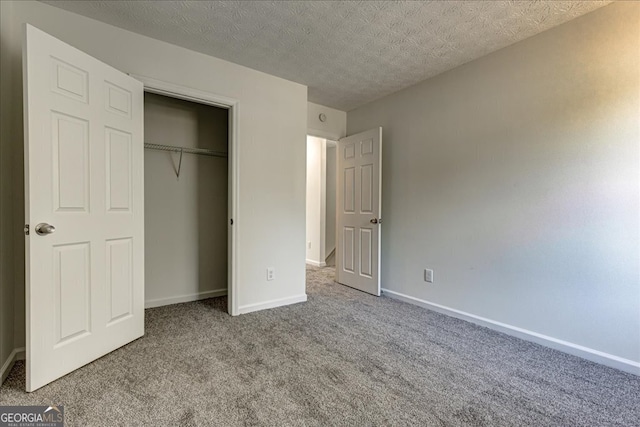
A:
{"x":308,"y":245}
{"x":271,"y":273}
{"x":428,"y":275}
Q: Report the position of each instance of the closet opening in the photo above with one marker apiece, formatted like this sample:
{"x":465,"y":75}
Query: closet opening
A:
{"x":189,"y":193}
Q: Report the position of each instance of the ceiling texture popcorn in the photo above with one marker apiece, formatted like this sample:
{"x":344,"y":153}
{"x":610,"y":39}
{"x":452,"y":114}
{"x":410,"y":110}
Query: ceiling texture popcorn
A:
{"x":348,"y":52}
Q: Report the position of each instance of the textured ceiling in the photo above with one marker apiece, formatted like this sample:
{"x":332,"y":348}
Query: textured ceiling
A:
{"x":349,"y":52}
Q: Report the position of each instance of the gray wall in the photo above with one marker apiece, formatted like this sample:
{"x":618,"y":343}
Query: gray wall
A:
{"x":185,"y":218}
{"x":516,"y":178}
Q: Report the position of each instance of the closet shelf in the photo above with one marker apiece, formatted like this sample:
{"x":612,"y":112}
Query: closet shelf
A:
{"x":186,"y":150}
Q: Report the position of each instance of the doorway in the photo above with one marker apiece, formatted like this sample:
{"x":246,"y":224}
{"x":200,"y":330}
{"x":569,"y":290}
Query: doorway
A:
{"x":205,"y":99}
{"x":354,"y":234}
{"x":185,"y":189}
{"x":321,"y":202}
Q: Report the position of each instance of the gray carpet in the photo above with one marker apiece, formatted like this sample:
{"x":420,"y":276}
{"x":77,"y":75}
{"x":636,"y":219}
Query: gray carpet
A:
{"x":342,"y":358}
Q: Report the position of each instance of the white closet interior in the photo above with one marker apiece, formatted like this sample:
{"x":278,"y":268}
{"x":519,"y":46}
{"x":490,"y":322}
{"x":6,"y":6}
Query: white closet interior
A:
{"x":185,"y":216}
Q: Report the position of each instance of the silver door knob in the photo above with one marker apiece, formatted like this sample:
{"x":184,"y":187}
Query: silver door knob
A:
{"x":43,"y":229}
{"x":373,"y":221}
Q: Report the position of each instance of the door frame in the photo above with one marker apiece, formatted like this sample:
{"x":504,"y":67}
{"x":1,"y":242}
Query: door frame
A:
{"x":331,"y":138}
{"x":231,"y":105}
{"x":328,"y":142}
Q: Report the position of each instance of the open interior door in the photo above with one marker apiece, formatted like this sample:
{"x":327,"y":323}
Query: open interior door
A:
{"x":84,"y":208}
{"x":359,"y":211}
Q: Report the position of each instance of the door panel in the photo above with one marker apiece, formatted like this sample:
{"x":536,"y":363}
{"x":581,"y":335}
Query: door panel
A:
{"x":348,"y":250}
{"x":366,"y":193}
{"x":70,"y":140}
{"x":84,"y":176}
{"x":118,"y":153}
{"x":359,"y":210}
{"x":120,"y":279}
{"x":366,"y":254}
{"x":349,"y":190}
{"x":71,"y":280}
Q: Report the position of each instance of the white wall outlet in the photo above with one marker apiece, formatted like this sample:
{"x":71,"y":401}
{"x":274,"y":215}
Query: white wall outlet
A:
{"x":308,"y":245}
{"x":271,"y":273}
{"x":428,"y":275}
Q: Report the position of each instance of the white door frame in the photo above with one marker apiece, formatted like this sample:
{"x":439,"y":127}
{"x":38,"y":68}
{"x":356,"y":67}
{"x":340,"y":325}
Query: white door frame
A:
{"x":201,"y":97}
{"x":331,"y":139}
{"x":323,"y":196}
{"x":319,"y":238}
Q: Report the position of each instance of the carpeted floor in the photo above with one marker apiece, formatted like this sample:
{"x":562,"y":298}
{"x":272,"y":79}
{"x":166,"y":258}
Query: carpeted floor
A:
{"x":342,"y":358}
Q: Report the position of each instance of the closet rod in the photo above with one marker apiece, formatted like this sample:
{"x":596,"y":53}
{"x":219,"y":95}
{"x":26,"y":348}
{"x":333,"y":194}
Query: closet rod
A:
{"x":186,"y":150}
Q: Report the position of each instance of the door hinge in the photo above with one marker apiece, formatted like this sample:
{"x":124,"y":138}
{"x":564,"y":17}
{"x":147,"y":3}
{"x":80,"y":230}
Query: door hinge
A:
{"x":26,"y":229}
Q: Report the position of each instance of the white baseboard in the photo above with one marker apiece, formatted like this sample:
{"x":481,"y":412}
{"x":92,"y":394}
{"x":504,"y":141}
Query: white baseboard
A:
{"x":184,"y":298}
{"x":16,"y":354}
{"x":271,"y":304}
{"x":316,"y":263}
{"x":547,"y":341}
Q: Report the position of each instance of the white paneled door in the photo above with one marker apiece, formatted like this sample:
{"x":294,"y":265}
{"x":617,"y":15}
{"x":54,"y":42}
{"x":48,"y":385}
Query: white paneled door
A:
{"x":359,"y":211}
{"x":84,"y":208}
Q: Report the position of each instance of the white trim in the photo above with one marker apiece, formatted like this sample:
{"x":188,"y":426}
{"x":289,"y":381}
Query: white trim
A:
{"x":234,"y":210}
{"x":158,"y":302}
{"x":244,"y":309}
{"x":183,"y":92}
{"x":16,"y":354}
{"x":323,"y":198}
{"x":233,"y":105}
{"x":319,"y":133}
{"x":316,"y":263}
{"x":547,"y":341}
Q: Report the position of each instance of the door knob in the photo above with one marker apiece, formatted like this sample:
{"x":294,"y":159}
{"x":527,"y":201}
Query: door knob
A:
{"x":374,"y":221}
{"x":43,"y":229}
